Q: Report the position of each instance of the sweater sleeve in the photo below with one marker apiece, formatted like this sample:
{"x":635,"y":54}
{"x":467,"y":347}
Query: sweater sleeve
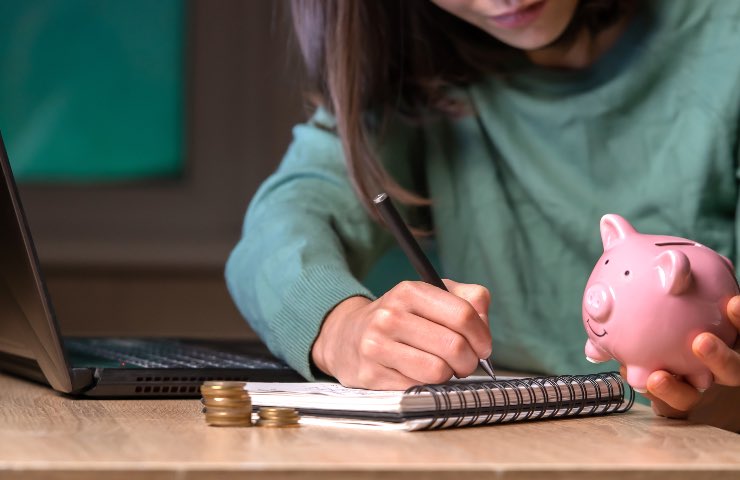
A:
{"x":735,"y":256}
{"x":305,"y":242}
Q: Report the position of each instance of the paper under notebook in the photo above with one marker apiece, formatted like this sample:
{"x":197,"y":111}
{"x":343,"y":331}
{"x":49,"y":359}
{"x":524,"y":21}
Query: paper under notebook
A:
{"x":472,"y":401}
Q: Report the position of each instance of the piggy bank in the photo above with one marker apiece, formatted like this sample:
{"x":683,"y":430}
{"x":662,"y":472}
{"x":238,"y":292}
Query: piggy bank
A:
{"x":649,"y":296}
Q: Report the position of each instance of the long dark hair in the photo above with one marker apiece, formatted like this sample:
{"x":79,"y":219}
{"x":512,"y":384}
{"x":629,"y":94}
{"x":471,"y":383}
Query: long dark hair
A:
{"x":369,"y":59}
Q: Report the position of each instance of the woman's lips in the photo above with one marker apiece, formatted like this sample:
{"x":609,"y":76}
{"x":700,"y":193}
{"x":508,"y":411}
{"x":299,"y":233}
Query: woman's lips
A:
{"x":519,"y":18}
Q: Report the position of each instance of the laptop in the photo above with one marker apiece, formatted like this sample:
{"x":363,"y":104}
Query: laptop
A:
{"x":31,"y":345}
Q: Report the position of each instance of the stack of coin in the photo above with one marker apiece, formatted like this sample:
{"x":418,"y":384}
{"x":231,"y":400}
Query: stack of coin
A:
{"x":278,"y":417}
{"x":227,"y":404}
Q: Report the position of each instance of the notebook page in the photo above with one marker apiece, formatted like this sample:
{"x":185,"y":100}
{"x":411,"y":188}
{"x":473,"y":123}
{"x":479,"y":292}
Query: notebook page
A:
{"x":324,"y":395}
{"x":333,"y":396}
{"x":360,"y":423}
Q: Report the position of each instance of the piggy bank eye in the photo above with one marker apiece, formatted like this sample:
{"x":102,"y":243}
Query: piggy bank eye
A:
{"x":626,"y":273}
{"x":607,"y":262}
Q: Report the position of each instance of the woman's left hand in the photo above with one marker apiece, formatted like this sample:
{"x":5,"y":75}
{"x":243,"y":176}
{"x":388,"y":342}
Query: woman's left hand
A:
{"x":672,"y":397}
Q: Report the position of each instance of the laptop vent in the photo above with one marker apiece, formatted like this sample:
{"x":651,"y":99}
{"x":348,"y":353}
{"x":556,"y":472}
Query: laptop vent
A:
{"x":170,"y":389}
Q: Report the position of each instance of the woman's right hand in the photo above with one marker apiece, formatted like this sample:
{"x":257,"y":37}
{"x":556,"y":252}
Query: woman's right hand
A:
{"x":414,"y":334}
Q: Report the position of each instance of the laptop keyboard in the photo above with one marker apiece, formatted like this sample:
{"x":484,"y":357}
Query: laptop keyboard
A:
{"x":165,"y":354}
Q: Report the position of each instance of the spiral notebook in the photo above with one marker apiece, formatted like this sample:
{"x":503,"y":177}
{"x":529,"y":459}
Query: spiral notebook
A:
{"x":455,"y":404}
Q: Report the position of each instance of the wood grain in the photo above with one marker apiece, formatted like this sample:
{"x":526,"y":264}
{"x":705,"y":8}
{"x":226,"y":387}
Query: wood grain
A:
{"x":45,"y":435}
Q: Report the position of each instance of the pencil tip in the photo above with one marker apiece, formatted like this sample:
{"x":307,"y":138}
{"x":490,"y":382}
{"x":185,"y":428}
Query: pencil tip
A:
{"x":380,"y":197}
{"x":487,"y":367}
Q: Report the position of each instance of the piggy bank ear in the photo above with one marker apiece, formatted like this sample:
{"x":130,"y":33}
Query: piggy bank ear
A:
{"x":729,"y":264}
{"x":674,"y":271}
{"x":614,"y":229}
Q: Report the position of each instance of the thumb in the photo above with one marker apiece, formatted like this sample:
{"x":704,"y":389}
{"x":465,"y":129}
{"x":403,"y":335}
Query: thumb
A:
{"x":476,"y":295}
{"x":733,"y":311}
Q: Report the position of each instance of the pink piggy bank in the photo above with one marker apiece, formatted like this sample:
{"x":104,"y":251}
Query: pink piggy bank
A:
{"x":649,"y":296}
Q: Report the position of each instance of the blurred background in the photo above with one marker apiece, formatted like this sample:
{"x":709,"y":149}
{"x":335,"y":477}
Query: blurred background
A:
{"x":138,"y":132}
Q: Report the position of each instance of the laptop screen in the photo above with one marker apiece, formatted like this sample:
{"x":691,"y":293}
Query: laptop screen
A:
{"x":29,"y":336}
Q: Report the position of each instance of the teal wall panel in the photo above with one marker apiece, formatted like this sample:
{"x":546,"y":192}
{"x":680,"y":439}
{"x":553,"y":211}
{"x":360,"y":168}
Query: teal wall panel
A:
{"x":92,"y":90}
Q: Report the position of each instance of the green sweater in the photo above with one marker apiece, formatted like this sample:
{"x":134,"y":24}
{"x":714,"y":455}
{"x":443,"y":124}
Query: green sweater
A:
{"x":518,"y":187}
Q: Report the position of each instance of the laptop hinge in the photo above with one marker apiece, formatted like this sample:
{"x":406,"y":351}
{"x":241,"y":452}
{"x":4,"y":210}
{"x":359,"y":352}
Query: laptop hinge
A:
{"x":82,"y":379}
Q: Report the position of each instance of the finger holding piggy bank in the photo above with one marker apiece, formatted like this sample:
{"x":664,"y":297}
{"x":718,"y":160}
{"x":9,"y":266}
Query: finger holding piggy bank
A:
{"x":649,"y":296}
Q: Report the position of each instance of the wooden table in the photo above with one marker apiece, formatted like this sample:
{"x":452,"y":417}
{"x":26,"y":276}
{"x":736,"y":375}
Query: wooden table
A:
{"x":45,"y":435}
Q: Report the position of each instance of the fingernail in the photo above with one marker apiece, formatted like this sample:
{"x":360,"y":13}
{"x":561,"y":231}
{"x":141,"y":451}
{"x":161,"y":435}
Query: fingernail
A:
{"x":735,"y":306}
{"x":659,"y":385}
{"x":706,"y":347}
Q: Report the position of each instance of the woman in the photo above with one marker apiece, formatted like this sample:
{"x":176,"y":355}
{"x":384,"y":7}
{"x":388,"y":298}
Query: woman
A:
{"x":507,"y":128}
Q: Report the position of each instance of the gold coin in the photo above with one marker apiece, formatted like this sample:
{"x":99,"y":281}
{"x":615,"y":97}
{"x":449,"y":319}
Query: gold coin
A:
{"x":281,"y":420}
{"x":277,"y":411}
{"x":224,"y":384}
{"x":222,"y":388}
{"x":232,"y":415}
{"x":213,"y":414}
{"x":273,"y":424}
{"x":228,"y":411}
{"x":225,"y":401}
{"x":285,"y":419}
{"x":211,"y":406}
{"x":238,"y":396}
{"x":278,"y":414}
{"x":217,"y":388}
{"x":236,"y":414}
{"x":228,"y":422}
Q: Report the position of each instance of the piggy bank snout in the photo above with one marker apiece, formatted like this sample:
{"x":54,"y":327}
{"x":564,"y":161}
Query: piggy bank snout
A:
{"x":598,"y":302}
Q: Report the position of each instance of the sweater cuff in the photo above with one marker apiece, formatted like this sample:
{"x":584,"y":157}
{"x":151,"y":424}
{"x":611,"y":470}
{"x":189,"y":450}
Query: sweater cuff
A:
{"x":316,"y":292}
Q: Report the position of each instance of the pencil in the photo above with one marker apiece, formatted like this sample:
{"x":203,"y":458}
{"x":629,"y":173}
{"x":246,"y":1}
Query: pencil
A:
{"x":415,"y":254}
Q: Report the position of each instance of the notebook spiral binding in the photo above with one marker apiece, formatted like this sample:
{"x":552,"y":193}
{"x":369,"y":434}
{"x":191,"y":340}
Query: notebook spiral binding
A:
{"x":459,"y":405}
